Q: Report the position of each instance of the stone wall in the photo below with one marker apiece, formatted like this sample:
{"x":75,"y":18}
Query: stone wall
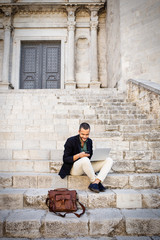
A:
{"x":1,"y":58}
{"x":140,"y":38}
{"x":133,"y":36}
{"x":146,"y":94}
{"x":113,"y":43}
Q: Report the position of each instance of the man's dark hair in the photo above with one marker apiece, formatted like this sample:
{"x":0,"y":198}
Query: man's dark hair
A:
{"x":84,"y":126}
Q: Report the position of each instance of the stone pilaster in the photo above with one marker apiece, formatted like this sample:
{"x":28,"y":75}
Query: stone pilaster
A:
{"x":94,"y":54}
{"x":6,"y":54}
{"x":71,"y":49}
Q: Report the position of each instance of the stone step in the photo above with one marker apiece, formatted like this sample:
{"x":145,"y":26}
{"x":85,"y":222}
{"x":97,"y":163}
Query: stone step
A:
{"x":110,"y":222}
{"x":119,"y":166}
{"x":93,"y":238}
{"x":117,"y":198}
{"x":25,"y":180}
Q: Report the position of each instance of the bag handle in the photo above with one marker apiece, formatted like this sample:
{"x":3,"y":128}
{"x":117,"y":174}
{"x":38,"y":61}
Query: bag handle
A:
{"x":63,"y":215}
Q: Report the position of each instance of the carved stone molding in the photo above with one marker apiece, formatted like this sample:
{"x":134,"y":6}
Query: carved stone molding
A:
{"x":7,"y":11}
{"x":94,"y":25}
{"x":71,"y":26}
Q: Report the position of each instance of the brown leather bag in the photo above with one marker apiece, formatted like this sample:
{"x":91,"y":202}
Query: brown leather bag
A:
{"x":63,"y":200}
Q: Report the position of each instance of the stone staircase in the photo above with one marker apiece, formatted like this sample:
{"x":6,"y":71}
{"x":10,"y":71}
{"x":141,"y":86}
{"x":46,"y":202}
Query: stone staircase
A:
{"x":33,"y":128}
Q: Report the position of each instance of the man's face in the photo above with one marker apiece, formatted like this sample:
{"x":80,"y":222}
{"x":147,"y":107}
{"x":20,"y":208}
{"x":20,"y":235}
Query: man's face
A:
{"x":84,"y":134}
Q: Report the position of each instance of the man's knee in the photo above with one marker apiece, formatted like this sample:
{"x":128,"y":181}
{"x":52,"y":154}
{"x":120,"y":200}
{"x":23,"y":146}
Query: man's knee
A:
{"x":85,"y":161}
{"x":109,"y":161}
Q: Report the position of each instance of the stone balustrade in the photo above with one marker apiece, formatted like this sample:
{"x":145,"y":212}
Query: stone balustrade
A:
{"x":146,"y":94}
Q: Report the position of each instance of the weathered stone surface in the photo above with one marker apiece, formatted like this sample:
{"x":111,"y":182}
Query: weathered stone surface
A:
{"x":83,"y":198}
{"x":102,"y":200}
{"x":128,"y":198}
{"x":71,"y":226}
{"x":150,"y":198}
{"x":155,"y":238}
{"x":137,"y":155}
{"x":138,"y":146}
{"x":78,"y":182}
{"x":147,"y":166}
{"x":138,"y":181}
{"x":41,"y":166}
{"x":11,"y":199}
{"x":55,"y":166}
{"x":132,"y":238}
{"x":24,"y":181}
{"x":24,"y":223}
{"x":106,"y":222}
{"x":35,"y":198}
{"x":116,"y":181}
{"x":142,"y":222}
{"x":123,"y":166}
{"x":58,"y":182}
{"x":3,"y":215}
{"x":44,"y":181}
{"x":31,"y":154}
{"x":5,"y":180}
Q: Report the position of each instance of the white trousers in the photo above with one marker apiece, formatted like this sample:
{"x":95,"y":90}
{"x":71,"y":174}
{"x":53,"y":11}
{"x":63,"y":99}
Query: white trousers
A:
{"x":85,"y":166}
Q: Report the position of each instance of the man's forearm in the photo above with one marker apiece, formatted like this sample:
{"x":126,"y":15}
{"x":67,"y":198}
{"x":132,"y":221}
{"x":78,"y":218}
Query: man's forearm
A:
{"x":75,"y":157}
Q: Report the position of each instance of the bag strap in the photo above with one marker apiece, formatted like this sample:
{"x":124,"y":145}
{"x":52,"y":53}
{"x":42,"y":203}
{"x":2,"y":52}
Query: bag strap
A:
{"x":63,"y":215}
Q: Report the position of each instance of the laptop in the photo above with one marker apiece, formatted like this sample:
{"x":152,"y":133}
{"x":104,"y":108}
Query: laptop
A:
{"x":100,"y":154}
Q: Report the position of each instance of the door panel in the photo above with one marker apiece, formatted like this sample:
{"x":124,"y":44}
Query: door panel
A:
{"x":40,"y":65}
{"x":51,"y":66}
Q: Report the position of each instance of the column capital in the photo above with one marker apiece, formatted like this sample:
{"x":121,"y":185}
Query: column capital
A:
{"x":7,"y":11}
{"x":71,"y":13}
{"x":7,"y":24}
{"x":94,"y":25}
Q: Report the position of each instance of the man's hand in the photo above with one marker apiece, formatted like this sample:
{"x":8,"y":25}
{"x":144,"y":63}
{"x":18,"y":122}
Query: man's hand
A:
{"x":80,"y":155}
{"x":83,"y":154}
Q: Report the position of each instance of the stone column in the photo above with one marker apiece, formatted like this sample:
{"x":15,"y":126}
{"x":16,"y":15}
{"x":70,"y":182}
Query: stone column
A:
{"x":6,"y":53}
{"x":71,"y":49}
{"x":94,"y":54}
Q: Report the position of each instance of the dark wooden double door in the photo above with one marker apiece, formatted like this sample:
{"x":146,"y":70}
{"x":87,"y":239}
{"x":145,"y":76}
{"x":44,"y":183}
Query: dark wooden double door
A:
{"x":40,"y":65}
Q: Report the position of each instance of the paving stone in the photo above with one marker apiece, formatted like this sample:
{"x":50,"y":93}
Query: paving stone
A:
{"x":24,"y":223}
{"x":41,"y":166}
{"x":137,"y":155}
{"x":139,"y":181}
{"x":102,"y":200}
{"x":36,"y":198}
{"x":5,"y":180}
{"x":31,"y":154}
{"x":44,"y":181}
{"x":107,"y":222}
{"x":123,"y":166}
{"x":150,"y":198}
{"x":116,"y":181}
{"x":132,"y":238}
{"x":24,"y":181}
{"x":147,"y":166}
{"x":128,"y":198}
{"x":3,"y":215}
{"x":142,"y":222}
{"x":78,"y":182}
{"x":70,"y":226}
{"x":11,"y":199}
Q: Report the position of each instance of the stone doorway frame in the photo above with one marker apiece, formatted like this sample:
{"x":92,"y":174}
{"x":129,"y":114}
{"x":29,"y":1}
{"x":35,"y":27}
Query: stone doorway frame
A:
{"x":16,"y":57}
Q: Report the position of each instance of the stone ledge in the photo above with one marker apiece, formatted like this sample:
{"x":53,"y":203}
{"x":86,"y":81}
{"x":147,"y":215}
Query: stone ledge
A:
{"x":115,"y":198}
{"x":97,"y":222}
{"x":152,"y":86}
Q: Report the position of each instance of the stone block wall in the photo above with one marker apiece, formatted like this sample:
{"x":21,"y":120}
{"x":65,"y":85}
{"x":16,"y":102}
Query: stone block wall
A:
{"x":1,"y":58}
{"x":133,"y":41}
{"x":140,"y":36}
{"x":146,"y":94}
{"x":113,"y":43}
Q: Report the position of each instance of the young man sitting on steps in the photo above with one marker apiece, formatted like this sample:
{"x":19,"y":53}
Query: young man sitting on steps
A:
{"x":76,"y":160}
